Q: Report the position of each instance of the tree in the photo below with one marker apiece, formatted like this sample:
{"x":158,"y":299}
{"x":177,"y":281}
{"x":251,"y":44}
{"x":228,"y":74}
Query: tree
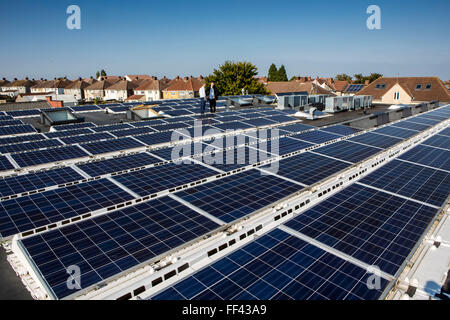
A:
{"x":97,"y":75}
{"x":359,"y":78}
{"x":231,"y":77}
{"x":273,"y":73}
{"x":373,"y":77}
{"x":282,"y":76}
{"x":343,"y":77}
{"x":103,"y":73}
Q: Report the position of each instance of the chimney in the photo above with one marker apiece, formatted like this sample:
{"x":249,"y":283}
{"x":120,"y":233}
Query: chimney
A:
{"x":200,"y":77}
{"x":15,"y":79}
{"x":178,"y":78}
{"x":366,"y":82}
{"x":42,"y":79}
{"x":309,"y":78}
{"x":4,"y":79}
{"x":92,"y":77}
{"x":154,"y":78}
{"x":186,"y":78}
{"x":26,"y":78}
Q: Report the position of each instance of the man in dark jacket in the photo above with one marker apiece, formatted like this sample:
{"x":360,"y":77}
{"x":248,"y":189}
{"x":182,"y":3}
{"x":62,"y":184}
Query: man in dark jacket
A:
{"x":212,"y":97}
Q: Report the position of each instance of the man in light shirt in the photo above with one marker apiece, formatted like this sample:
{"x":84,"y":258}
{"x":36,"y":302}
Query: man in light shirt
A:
{"x":202,"y":92}
{"x":212,"y":97}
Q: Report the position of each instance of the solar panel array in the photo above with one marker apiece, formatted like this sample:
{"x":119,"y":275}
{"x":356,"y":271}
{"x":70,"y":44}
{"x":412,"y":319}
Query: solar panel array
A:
{"x":116,"y":241}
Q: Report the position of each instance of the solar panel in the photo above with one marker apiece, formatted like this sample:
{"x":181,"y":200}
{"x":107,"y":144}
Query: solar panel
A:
{"x":22,"y":138}
{"x":112,"y":145}
{"x":259,"y":122}
{"x":148,"y":123}
{"x":132,"y":131}
{"x":413,"y":181}
{"x":372,"y":226}
{"x":376,"y":140}
{"x":170,"y":126}
{"x":68,"y":133}
{"x":425,"y":121}
{"x":276,"y":266}
{"x":159,"y":178}
{"x":119,"y":109}
{"x":24,"y":113}
{"x":316,"y":136}
{"x":238,"y":195}
{"x":282,"y":146}
{"x":308,"y":168}
{"x":411,"y":125}
{"x":31,"y":158}
{"x":281,"y":118}
{"x":199,"y":131}
{"x":109,"y":244}
{"x":5,"y":117}
{"x":445,"y":132}
{"x":33,"y":145}
{"x":86,"y":108}
{"x":233,"y":126}
{"x":73,"y":126}
{"x":155,"y":138}
{"x":5,"y":164}
{"x":439,"y":141}
{"x":10,"y":122}
{"x":182,"y":112}
{"x":296,"y":127}
{"x":229,"y":118}
{"x":432,"y":117}
{"x":341,"y":129}
{"x":19,"y":129}
{"x":429,"y":156}
{"x":178,"y":119}
{"x":250,"y":115}
{"x":232,"y":159}
{"x":348,"y":151}
{"x":395,"y":132}
{"x":40,"y":209}
{"x":181,"y":151}
{"x":34,"y":181}
{"x":87,"y":137}
{"x":113,"y":127}
{"x":117,"y":164}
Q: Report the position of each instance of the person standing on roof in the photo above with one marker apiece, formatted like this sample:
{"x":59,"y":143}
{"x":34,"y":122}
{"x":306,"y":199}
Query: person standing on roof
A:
{"x":212,"y":97}
{"x":202,"y":92}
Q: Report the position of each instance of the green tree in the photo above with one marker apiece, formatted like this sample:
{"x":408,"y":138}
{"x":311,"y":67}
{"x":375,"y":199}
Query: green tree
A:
{"x":374,"y":76}
{"x":231,"y":77}
{"x":273,"y":73}
{"x":97,"y":75}
{"x":359,"y":78}
{"x":103,"y":73}
{"x":282,"y":75}
{"x":343,"y":77}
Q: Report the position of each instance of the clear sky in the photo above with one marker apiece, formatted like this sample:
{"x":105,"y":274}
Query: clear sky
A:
{"x":316,"y":38}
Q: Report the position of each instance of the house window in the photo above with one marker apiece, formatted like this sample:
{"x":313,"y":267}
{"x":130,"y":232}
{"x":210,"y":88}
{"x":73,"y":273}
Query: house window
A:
{"x":380,"y":86}
{"x":419,"y":87}
{"x":428,"y":86}
{"x":396,"y":95}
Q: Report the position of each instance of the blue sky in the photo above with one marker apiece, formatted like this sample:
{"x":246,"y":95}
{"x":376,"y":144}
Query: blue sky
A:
{"x":175,"y":37}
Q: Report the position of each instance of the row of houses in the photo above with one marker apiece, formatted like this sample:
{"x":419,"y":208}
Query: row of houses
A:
{"x":398,"y":90}
{"x":107,"y":88}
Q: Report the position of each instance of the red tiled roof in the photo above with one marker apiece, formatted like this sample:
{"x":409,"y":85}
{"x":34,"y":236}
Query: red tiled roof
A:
{"x":296,"y":86}
{"x":190,"y":84}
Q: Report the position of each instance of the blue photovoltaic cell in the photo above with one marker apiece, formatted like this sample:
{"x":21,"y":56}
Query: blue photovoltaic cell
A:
{"x":376,"y":140}
{"x":159,"y":178}
{"x":109,"y":244}
{"x":413,"y":181}
{"x":22,"y":138}
{"x":228,"y":118}
{"x":239,"y":195}
{"x":86,"y":108}
{"x":148,"y":123}
{"x":281,"y":118}
{"x":5,"y":164}
{"x":11,"y":122}
{"x":229,"y":160}
{"x":276,"y":266}
{"x":296,"y":127}
{"x":411,"y":125}
{"x":348,"y":151}
{"x":40,"y":209}
{"x":316,"y":136}
{"x":31,"y":158}
{"x":170,"y":126}
{"x":5,"y":117}
{"x":251,"y":115}
{"x":423,"y":121}
{"x":87,"y":137}
{"x":282,"y":145}
{"x":24,"y":113}
{"x":119,"y":109}
{"x":439,"y":141}
{"x":74,"y":126}
{"x":68,"y":133}
{"x":155,"y":138}
{"x":396,"y":132}
{"x":308,"y":168}
{"x":19,"y":129}
{"x":113,"y":127}
{"x":111,"y":145}
{"x":33,"y":145}
{"x":429,"y":156}
{"x":117,"y":164}
{"x":433,"y":117}
{"x":34,"y":181}
{"x":445,"y":132}
{"x":259,"y":122}
{"x":341,"y":129}
{"x":181,"y":112}
{"x":372,"y":226}
{"x":181,"y":151}
{"x":178,"y":119}
{"x":132,"y":131}
{"x":199,"y":131}
{"x":236,"y":125}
